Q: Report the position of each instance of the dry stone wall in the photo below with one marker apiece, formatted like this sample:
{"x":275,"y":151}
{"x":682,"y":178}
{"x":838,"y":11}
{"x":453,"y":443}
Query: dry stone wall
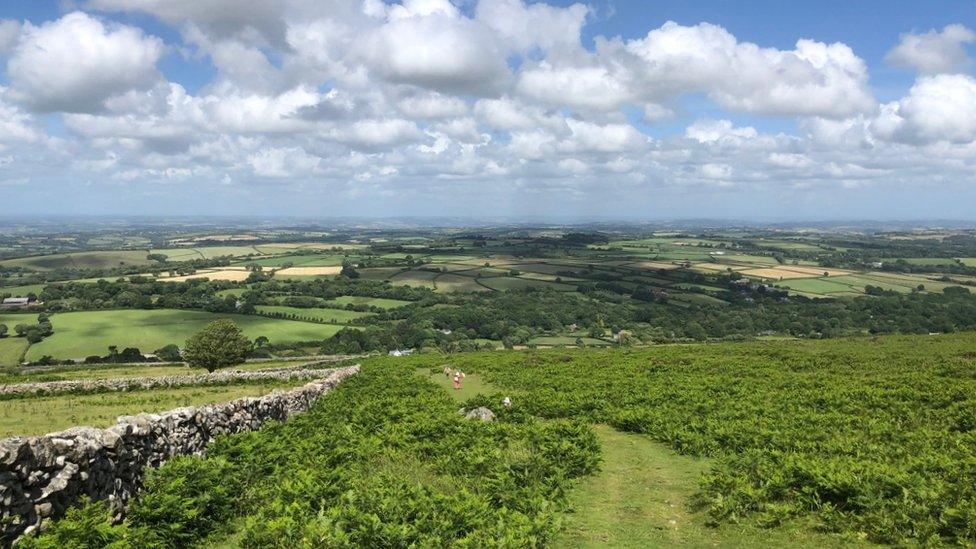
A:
{"x":40,"y":477}
{"x":158,"y":382}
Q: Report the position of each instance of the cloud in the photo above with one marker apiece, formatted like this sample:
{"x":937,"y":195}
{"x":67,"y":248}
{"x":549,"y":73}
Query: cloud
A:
{"x":524,"y":27}
{"x":223,"y":18}
{"x":438,"y":52}
{"x":937,"y":108}
{"x":9,"y":35}
{"x":934,"y":51}
{"x":432,"y":105}
{"x":76,"y":63}
{"x":814,"y":79}
{"x":282,"y":162}
{"x":710,"y":131}
{"x":380,"y":98}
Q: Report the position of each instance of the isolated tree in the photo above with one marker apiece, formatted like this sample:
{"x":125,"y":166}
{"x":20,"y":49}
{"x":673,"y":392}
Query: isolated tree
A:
{"x":221,"y":343}
{"x":3,"y":330}
{"x":260,"y":341}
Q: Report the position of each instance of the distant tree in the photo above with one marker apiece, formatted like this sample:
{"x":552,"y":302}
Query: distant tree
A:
{"x":131,"y":354}
{"x":169,"y":353}
{"x":21,"y":329}
{"x":221,"y":343}
{"x":349,"y":271}
{"x":260,"y":341}
{"x":3,"y":330}
{"x":34,"y":335}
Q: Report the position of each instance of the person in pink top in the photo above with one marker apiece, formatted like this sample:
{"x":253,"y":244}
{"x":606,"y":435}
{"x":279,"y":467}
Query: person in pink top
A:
{"x":457,"y":381}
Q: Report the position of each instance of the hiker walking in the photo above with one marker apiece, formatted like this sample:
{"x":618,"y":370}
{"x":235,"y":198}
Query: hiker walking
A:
{"x":457,"y":381}
{"x":447,"y":372}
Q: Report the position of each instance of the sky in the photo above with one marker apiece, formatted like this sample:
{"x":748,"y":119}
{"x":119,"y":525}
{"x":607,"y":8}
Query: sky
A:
{"x":608,"y":110}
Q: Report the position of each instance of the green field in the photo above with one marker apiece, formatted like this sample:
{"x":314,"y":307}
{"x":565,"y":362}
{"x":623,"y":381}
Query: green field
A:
{"x":81,"y":260}
{"x":308,"y":260}
{"x":414,"y":278}
{"x":80,"y":334}
{"x":968,"y":261}
{"x":928,"y":260}
{"x":503,"y":283}
{"x":11,"y":349}
{"x":447,"y":283}
{"x":369,"y":301}
{"x":22,"y":291}
{"x":332,"y":316}
{"x":40,"y":415}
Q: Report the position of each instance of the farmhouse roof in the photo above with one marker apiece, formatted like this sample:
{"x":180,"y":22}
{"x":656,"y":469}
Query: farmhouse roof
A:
{"x":16,"y":300}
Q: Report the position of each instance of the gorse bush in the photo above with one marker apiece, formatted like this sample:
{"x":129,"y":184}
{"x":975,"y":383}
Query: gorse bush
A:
{"x":384,"y":461}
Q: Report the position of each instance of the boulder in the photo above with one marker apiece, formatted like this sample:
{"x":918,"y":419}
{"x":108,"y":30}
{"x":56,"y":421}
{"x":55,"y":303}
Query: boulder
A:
{"x":479,"y":413}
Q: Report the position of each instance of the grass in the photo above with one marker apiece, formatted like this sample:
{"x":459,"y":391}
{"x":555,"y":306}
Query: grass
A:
{"x":306,"y":260}
{"x":81,"y":334}
{"x":641,"y":498}
{"x":11,"y":349}
{"x":415,"y":278}
{"x":472,"y":385}
{"x":40,"y":415}
{"x":369,"y":301}
{"x":510,"y":283}
{"x":333,"y":316}
{"x":448,"y":283}
{"x":22,"y":291}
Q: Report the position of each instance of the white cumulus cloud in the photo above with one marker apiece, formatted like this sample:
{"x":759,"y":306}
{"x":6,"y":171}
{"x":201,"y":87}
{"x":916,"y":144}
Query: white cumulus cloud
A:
{"x":75,"y":63}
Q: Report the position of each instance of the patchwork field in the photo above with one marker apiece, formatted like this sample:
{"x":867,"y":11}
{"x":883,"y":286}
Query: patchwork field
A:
{"x":370,"y":301}
{"x":81,"y":334}
{"x":332,"y":316}
{"x":457,"y":283}
{"x":81,"y":260}
{"x":793,"y":271}
{"x":206,"y":252}
{"x":231,"y":274}
{"x":308,"y":271}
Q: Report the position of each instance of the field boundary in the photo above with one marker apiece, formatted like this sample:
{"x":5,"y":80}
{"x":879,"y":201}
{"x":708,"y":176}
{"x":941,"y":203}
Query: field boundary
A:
{"x":45,"y":475}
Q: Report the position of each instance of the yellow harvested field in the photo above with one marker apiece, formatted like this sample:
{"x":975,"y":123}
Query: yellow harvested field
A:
{"x":786,"y":272}
{"x":231,"y":274}
{"x":308,"y":271}
{"x":653,"y":265}
{"x":718,"y":267}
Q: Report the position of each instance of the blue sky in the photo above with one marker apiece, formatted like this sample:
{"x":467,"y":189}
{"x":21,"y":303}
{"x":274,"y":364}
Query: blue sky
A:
{"x":610,"y":110}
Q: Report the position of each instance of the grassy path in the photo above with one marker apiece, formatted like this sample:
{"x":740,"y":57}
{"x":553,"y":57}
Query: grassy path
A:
{"x":472,"y":385}
{"x":640,"y":499}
